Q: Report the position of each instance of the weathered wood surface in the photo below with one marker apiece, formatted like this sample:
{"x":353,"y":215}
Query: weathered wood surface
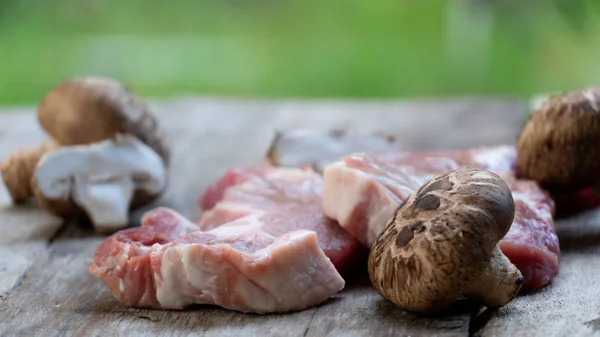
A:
{"x":45,"y":287}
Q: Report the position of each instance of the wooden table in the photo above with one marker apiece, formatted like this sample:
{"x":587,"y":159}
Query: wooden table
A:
{"x":46,"y":289}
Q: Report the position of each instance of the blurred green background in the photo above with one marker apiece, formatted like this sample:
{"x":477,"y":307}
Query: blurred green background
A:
{"x":310,"y":48}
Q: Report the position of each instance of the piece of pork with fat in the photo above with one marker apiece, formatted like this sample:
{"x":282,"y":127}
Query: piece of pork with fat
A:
{"x":244,"y":265}
{"x":362,"y":192}
{"x":293,"y":193}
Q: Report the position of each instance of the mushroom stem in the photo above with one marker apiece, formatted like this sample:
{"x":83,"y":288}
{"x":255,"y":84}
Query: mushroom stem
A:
{"x":498,"y":276}
{"x":105,"y":202}
{"x":102,"y":179}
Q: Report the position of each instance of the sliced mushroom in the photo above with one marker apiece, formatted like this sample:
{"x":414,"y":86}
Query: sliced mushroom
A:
{"x":104,"y":180}
{"x":320,"y":148}
{"x":442,"y":245}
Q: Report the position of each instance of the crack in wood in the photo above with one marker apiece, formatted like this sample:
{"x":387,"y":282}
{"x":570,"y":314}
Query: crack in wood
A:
{"x":312,"y":318}
{"x":478,"y":320}
{"x":152,"y":319}
{"x":57,"y":234}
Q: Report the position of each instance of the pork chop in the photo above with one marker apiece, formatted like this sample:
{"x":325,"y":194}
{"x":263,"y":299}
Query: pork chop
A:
{"x":246,"y":265}
{"x":293,"y":197}
{"x":362,"y":192}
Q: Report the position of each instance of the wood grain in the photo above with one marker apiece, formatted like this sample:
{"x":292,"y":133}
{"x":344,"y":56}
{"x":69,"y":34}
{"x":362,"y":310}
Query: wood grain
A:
{"x":75,"y":303}
{"x":15,"y":260}
{"x":570,"y":306}
{"x":19,"y":129}
{"x":25,"y":231}
{"x":25,"y":223}
{"x":57,"y":296}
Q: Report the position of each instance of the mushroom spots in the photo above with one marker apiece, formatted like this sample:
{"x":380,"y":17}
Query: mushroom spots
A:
{"x":390,"y":232}
{"x":450,"y":251}
{"x":408,"y":233}
{"x":428,"y":202}
{"x":404,"y":237}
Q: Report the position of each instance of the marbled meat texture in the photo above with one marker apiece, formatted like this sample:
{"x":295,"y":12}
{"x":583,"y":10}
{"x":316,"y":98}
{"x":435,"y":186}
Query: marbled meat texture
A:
{"x":291,"y":197}
{"x":249,"y":265}
{"x":362,"y":192}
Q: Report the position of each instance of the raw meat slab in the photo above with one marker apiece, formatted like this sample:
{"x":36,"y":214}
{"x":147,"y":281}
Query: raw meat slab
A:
{"x":362,"y":192}
{"x":245,"y":265}
{"x":293,"y":199}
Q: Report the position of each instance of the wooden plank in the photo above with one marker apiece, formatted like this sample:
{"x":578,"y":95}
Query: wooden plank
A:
{"x":26,"y":223}
{"x":360,"y":311}
{"x":77,"y":304}
{"x":18,"y":129}
{"x":25,"y":230}
{"x":570,"y":306}
{"x":15,"y":260}
{"x":60,"y":297}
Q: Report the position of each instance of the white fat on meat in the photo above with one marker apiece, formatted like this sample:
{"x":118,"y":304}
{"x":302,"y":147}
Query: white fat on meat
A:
{"x":290,"y":198}
{"x":362,"y":192}
{"x":238,"y":266}
{"x":263,"y":244}
{"x":345,"y":191}
{"x":269,"y":280}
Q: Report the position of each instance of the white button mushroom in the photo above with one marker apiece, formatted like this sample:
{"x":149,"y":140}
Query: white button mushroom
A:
{"x":103,"y":179}
{"x":442,"y":244}
{"x":107,"y":154}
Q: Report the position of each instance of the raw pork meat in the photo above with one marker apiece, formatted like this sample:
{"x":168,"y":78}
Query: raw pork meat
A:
{"x":248,"y":265}
{"x":362,"y":192}
{"x":293,"y":199}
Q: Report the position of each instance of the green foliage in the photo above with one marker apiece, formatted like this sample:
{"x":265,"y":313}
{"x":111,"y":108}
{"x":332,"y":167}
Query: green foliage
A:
{"x":310,"y":48}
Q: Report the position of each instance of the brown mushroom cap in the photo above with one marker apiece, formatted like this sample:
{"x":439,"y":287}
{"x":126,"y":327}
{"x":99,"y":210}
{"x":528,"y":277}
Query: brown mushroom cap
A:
{"x":91,"y":109}
{"x":442,"y":244}
{"x":559,"y":147}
